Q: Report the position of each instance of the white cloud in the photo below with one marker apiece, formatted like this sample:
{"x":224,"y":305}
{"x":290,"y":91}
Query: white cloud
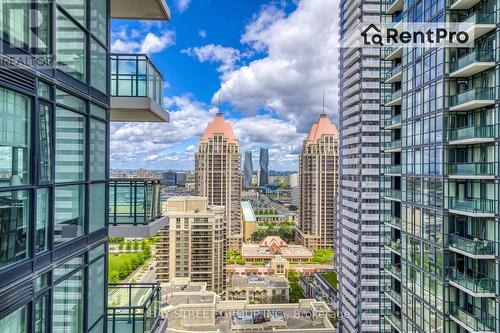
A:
{"x":134,"y":144}
{"x":300,"y":61}
{"x":182,"y":5}
{"x":141,"y":40}
{"x":191,"y":149}
{"x":202,"y":34}
{"x":153,"y":43}
{"x":226,"y":56}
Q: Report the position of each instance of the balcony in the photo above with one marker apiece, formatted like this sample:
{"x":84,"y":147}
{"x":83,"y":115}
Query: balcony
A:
{"x":395,"y":296}
{"x":394,"y":246}
{"x":135,"y":308}
{"x":136,"y":89}
{"x":393,"y":146}
{"x":477,"y":287}
{"x":394,"y":6}
{"x":394,"y":99}
{"x":394,"y":320}
{"x":393,"y":221}
{"x":394,"y":52}
{"x":471,"y":170}
{"x":135,"y":208}
{"x":472,"y":99}
{"x":472,"y":135}
{"x":395,"y":74}
{"x":397,"y":22}
{"x":392,"y":194}
{"x":473,"y":207}
{"x":478,"y":324}
{"x":478,"y":24}
{"x":462,"y":4}
{"x":475,"y":248}
{"x":140,"y":10}
{"x":393,"y":123}
{"x":393,"y":170}
{"x":472,"y":63}
{"x":395,"y":271}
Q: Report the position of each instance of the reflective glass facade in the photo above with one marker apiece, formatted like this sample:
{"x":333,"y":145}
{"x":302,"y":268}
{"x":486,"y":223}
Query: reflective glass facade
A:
{"x":53,"y":168}
{"x":440,"y":153}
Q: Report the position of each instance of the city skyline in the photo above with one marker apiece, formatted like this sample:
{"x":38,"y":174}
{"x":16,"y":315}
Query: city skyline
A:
{"x":206,"y":59}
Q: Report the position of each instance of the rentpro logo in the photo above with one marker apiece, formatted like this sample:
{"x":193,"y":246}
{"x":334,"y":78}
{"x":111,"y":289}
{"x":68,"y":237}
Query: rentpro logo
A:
{"x":433,"y":35}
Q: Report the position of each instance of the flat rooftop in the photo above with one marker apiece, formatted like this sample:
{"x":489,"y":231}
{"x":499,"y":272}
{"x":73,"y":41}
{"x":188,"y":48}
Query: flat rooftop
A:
{"x":244,"y":282}
{"x":251,"y":250}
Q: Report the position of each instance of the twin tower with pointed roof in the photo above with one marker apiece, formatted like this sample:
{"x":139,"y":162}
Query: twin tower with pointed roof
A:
{"x":218,"y":177}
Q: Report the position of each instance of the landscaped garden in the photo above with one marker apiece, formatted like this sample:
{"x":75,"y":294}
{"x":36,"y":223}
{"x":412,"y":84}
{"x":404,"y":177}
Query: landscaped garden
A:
{"x":332,"y":279}
{"x":121,"y":265}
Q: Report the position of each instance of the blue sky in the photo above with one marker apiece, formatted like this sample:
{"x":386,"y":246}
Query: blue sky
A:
{"x":268,"y":60}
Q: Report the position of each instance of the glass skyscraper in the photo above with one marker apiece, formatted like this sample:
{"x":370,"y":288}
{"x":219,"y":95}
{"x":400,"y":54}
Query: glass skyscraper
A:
{"x":440,"y":174}
{"x":264,"y":167}
{"x":54,"y":149}
{"x":247,"y":170}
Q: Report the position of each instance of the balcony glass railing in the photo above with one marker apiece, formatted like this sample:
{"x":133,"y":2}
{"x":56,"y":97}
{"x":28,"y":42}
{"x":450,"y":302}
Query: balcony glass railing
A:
{"x":394,"y":96}
{"x":484,"y":94}
{"x":475,"y":246}
{"x":133,"y":307}
{"x":392,"y":193}
{"x":472,"y":132}
{"x":484,"y":322}
{"x":134,"y":201}
{"x":395,"y":245}
{"x":395,"y":295}
{"x":393,"y":169}
{"x":474,"y":169}
{"x":395,"y":70}
{"x":476,"y":285}
{"x":395,"y":320}
{"x":393,"y":221}
{"x":473,"y":205}
{"x":393,"y":269}
{"x":134,"y":75}
{"x":477,"y":18}
{"x":393,"y":120}
{"x":473,"y":57}
{"x":394,"y":144}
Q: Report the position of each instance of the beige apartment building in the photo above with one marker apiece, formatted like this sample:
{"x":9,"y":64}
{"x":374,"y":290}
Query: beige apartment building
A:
{"x":258,"y":289}
{"x":218,"y":174}
{"x":319,"y":165}
{"x":193,"y":245}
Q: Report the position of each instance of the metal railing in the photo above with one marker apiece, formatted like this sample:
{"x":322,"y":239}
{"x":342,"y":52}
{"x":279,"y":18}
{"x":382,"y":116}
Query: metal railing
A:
{"x":134,"y":307}
{"x":484,"y":322}
{"x":476,"y":285}
{"x":134,"y":201}
{"x":475,"y":246}
{"x":483,"y":93}
{"x":473,"y":205}
{"x":472,"y":57}
{"x":472,"y":168}
{"x":135,"y":75}
{"x":471,"y":132}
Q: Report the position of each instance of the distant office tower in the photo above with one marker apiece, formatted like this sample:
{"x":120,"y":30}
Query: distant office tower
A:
{"x":173,"y":178}
{"x":218,"y":174}
{"x":193,"y":244}
{"x":319,"y":162}
{"x":248,"y":170}
{"x":169,"y":178}
{"x":358,"y":245}
{"x":440,"y":144}
{"x":264,"y":167}
{"x":293,"y":180}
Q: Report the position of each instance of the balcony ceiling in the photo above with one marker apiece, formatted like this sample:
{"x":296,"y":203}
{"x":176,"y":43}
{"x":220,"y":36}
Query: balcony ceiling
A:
{"x":140,"y":10}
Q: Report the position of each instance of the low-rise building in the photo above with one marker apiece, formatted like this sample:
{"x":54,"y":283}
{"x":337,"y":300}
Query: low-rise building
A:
{"x":258,"y":289}
{"x":193,"y":309}
{"x":317,"y":286}
{"x":248,"y":220}
{"x":273,"y":246}
{"x":193,"y":244}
